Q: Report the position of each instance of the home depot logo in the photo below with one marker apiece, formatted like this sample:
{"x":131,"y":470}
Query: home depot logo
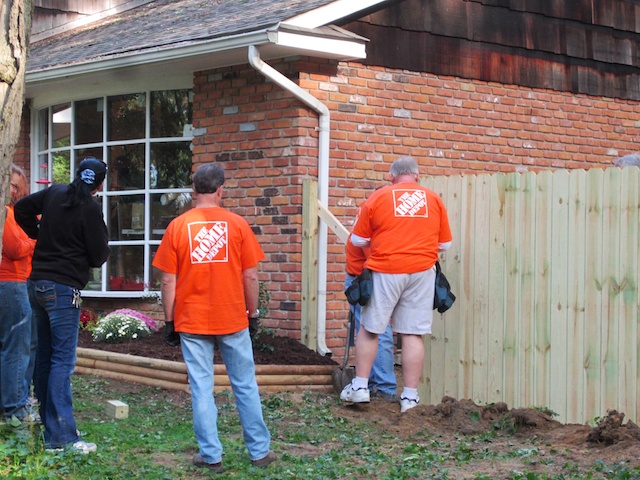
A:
{"x":410,"y":203}
{"x":208,"y":242}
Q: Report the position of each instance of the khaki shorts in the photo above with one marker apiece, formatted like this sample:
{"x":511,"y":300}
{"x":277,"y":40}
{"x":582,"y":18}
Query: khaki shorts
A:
{"x":405,"y":297}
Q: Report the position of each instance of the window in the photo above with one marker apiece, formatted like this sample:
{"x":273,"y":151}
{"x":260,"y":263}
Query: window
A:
{"x":145,"y":139}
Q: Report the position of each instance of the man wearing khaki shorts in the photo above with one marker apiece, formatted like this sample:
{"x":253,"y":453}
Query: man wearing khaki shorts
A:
{"x":405,"y":226}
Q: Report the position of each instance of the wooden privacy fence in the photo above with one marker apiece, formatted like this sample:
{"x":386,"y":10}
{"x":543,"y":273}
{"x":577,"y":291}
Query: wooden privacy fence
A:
{"x":545,"y":269}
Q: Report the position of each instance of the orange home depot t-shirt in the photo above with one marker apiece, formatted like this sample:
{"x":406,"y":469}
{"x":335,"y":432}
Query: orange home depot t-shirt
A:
{"x":208,"y":249}
{"x":17,"y":250}
{"x":405,"y":223}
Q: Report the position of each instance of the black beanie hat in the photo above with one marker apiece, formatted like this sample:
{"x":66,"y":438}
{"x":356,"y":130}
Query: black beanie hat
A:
{"x":91,"y":171}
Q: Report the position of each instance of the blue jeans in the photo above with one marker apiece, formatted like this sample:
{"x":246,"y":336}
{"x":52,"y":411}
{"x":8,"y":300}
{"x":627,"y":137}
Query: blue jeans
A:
{"x":15,"y":336}
{"x":33,"y":350}
{"x":382,"y":376}
{"x":237,"y":354}
{"x":57,"y":321}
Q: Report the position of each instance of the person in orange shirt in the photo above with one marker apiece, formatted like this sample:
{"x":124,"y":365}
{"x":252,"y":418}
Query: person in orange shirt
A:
{"x":209,"y":258}
{"x":382,"y":380}
{"x":16,"y":325}
{"x":405,"y":226}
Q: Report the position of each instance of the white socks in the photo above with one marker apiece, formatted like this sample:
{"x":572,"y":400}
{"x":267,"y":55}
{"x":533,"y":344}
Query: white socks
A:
{"x":409,"y":393}
{"x":360,"y":382}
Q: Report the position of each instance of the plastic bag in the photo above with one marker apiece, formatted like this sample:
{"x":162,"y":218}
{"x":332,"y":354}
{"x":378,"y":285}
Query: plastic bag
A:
{"x":443,"y":297}
{"x":360,"y":290}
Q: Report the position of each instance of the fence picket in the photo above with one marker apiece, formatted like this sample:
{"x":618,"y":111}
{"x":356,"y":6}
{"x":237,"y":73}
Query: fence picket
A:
{"x":628,"y":311}
{"x":558,"y":333}
{"x":593,"y":293}
{"x":512,"y":290}
{"x":497,"y":280}
{"x":453,"y":322}
{"x":481,"y":374}
{"x":526,"y":334}
{"x":611,"y":293}
{"x":467,"y":294}
{"x":542,"y":313}
{"x":630,"y":316}
{"x":575,"y":291}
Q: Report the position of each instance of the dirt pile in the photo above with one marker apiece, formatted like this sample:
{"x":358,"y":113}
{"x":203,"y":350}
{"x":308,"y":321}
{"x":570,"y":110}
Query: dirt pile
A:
{"x":611,"y":430}
{"x":558,"y":447}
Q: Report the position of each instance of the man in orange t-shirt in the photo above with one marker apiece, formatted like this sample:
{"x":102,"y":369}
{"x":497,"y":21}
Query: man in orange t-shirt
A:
{"x":209,"y":258}
{"x":405,"y":226}
{"x":16,"y":325}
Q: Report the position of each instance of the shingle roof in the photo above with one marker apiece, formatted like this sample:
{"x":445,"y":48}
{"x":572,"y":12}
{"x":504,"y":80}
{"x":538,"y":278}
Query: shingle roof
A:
{"x":160,"y":24}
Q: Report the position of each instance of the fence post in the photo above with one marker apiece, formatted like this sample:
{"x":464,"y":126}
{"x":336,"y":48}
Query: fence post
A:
{"x":309,"y":313}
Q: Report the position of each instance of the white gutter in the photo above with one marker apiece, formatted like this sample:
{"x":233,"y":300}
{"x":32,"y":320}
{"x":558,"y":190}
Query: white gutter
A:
{"x":331,"y":12}
{"x":323,"y":180}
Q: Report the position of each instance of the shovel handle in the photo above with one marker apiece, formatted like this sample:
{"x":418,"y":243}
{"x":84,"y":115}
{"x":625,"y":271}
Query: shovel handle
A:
{"x":350,"y":335}
{"x":352,"y":326}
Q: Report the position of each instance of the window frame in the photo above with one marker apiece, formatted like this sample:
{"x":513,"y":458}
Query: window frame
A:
{"x":40,"y":155}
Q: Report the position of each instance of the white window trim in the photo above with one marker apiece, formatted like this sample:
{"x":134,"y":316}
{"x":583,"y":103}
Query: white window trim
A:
{"x":148,"y":141}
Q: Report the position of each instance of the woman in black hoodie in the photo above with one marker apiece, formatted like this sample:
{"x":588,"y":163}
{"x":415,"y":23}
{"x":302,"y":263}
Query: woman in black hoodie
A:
{"x":71,"y":239}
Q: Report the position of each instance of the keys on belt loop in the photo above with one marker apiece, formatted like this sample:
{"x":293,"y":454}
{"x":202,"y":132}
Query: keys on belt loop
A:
{"x":77,"y":299}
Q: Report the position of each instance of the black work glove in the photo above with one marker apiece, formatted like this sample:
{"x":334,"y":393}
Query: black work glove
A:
{"x":171,"y":337}
{"x":254,"y":327}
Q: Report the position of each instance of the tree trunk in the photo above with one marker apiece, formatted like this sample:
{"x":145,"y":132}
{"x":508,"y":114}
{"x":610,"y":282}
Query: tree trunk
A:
{"x":14,"y":42}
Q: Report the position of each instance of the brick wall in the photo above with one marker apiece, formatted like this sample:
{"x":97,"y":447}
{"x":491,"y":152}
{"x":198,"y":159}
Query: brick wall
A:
{"x":464,"y":126}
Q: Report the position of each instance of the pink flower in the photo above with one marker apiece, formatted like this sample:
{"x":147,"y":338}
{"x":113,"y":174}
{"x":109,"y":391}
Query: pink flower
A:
{"x":148,"y":321}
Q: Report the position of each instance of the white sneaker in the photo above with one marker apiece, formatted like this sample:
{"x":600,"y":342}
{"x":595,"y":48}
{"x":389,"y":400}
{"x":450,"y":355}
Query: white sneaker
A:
{"x":408,"y":403}
{"x":84,"y":447}
{"x":355,"y":395}
{"x":79,"y":447}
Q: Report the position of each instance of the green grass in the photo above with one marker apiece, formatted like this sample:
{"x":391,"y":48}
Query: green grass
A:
{"x":311,"y":437}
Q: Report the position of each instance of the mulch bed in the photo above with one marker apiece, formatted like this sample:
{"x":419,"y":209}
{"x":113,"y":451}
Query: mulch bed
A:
{"x":268,"y":350}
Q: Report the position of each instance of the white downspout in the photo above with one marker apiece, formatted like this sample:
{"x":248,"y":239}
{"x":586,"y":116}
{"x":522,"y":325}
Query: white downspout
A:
{"x":323,"y":180}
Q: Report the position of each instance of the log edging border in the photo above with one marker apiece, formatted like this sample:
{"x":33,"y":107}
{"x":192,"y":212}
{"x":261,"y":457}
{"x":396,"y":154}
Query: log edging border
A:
{"x":172,"y":375}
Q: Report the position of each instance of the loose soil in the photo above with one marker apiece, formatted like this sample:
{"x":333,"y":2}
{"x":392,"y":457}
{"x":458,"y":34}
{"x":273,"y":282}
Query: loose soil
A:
{"x":544,"y":445}
{"x":558,"y":446}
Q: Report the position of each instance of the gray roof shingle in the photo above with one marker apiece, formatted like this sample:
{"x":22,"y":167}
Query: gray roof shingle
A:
{"x":161,"y":24}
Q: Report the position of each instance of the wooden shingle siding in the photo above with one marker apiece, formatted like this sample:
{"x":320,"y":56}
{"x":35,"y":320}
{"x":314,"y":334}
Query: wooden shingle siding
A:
{"x":618,"y":14}
{"x":567,"y":46}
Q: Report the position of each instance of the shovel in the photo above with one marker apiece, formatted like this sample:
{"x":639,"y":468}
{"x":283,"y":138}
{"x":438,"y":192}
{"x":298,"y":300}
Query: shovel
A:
{"x":342,"y":375}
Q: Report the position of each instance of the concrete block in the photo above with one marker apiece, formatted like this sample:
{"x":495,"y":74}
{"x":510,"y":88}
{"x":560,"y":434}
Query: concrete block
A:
{"x":117,"y":409}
